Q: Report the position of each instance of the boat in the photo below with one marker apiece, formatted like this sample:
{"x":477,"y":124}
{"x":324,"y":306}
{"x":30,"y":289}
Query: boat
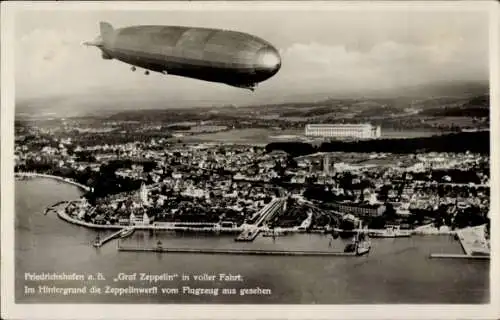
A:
{"x":158,"y":247}
{"x":97,"y":242}
{"x":350,"y":247}
{"x":363,"y":246}
{"x":360,"y":245}
{"x":391,"y":232}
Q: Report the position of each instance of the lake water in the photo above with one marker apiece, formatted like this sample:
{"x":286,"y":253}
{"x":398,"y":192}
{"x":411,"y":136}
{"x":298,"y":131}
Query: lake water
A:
{"x":395,"y":271}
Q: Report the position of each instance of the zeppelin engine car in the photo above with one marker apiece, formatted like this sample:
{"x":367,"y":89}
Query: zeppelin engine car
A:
{"x":234,"y":58}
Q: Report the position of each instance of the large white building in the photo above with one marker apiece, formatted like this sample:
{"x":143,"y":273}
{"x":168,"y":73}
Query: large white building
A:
{"x":361,"y":131}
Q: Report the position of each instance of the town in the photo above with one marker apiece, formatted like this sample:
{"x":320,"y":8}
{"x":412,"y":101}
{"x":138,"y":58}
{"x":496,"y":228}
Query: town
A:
{"x":162,"y":180}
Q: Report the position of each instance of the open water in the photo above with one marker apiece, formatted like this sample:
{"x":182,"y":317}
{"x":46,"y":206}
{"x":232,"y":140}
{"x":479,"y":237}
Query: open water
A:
{"x":396,"y":270}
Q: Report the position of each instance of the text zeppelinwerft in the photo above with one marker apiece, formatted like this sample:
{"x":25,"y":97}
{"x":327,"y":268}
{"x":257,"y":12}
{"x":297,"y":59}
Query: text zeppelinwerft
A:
{"x":51,"y":276}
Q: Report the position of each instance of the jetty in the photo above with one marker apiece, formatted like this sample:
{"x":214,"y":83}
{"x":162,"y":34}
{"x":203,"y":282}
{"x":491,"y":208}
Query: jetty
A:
{"x":237,"y":251}
{"x":100,"y":242}
{"x":54,"y":207}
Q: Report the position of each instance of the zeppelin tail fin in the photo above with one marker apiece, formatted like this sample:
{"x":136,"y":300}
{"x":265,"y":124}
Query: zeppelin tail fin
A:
{"x":106,"y":30}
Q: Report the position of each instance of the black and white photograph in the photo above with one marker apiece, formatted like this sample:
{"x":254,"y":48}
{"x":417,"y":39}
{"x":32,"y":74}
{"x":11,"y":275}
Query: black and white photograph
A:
{"x":247,"y":153}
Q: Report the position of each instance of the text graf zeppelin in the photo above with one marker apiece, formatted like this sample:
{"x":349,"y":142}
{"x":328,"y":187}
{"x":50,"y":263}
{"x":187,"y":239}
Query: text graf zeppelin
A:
{"x":140,"y":284}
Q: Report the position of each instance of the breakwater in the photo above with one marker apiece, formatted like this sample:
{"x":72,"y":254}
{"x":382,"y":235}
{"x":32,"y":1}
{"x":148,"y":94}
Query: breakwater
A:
{"x":458,"y":256}
{"x":236,"y":251}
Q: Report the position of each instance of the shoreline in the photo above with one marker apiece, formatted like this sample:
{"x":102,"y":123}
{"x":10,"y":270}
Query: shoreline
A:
{"x":43,"y":175}
{"x":465,"y":238}
{"x":64,"y":216}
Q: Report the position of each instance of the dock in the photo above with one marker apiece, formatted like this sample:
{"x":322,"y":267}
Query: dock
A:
{"x":237,"y":251}
{"x":459,"y":256}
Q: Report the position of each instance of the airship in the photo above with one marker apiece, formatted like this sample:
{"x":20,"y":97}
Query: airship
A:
{"x":224,"y":56}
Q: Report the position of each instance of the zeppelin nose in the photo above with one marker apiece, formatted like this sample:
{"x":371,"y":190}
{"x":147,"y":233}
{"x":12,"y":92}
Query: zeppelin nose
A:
{"x":267,"y":61}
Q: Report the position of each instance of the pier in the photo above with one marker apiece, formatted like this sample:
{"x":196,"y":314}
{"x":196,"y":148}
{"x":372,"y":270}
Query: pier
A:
{"x":54,"y":206}
{"x":112,"y":236}
{"x":237,"y":251}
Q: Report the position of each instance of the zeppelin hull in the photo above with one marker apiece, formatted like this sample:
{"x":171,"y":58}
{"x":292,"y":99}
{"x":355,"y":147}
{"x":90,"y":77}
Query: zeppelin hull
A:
{"x":197,"y":69}
{"x":224,"y":56}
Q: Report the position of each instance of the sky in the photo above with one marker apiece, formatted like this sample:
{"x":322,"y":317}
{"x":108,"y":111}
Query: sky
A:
{"x":323,"y":52}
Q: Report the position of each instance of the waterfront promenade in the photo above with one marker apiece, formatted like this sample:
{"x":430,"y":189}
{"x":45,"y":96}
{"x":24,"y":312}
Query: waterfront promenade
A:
{"x":64,"y":216}
{"x":429,"y":229}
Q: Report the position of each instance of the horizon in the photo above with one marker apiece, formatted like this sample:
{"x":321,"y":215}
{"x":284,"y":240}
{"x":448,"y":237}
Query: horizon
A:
{"x":23,"y":106}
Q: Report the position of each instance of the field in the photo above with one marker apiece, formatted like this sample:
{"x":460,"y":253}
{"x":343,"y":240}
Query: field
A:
{"x":259,"y":136}
{"x":255,"y":136}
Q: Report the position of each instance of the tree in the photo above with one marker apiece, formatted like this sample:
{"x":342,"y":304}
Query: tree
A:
{"x":389,"y":212}
{"x":345,"y":181}
{"x":377,"y":222}
{"x":384,"y":193}
{"x":291,"y":163}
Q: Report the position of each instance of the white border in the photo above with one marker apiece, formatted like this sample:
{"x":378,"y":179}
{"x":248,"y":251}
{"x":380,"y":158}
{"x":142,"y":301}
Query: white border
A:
{"x":93,"y":311}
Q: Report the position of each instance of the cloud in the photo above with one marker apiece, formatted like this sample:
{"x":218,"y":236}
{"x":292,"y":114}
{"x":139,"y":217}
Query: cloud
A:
{"x":384,"y":65}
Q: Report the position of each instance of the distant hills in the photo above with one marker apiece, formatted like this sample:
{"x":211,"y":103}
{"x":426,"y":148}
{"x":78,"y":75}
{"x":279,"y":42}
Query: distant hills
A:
{"x":425,"y":96}
{"x":438,"y":89}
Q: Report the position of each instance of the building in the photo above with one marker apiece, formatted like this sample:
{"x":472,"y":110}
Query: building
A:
{"x":328,"y":165}
{"x":138,"y":220}
{"x":359,"y":209}
{"x":144,"y":195}
{"x":329,"y":130}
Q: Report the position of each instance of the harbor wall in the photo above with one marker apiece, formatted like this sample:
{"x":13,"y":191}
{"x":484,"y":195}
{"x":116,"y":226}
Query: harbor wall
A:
{"x":236,"y":251}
